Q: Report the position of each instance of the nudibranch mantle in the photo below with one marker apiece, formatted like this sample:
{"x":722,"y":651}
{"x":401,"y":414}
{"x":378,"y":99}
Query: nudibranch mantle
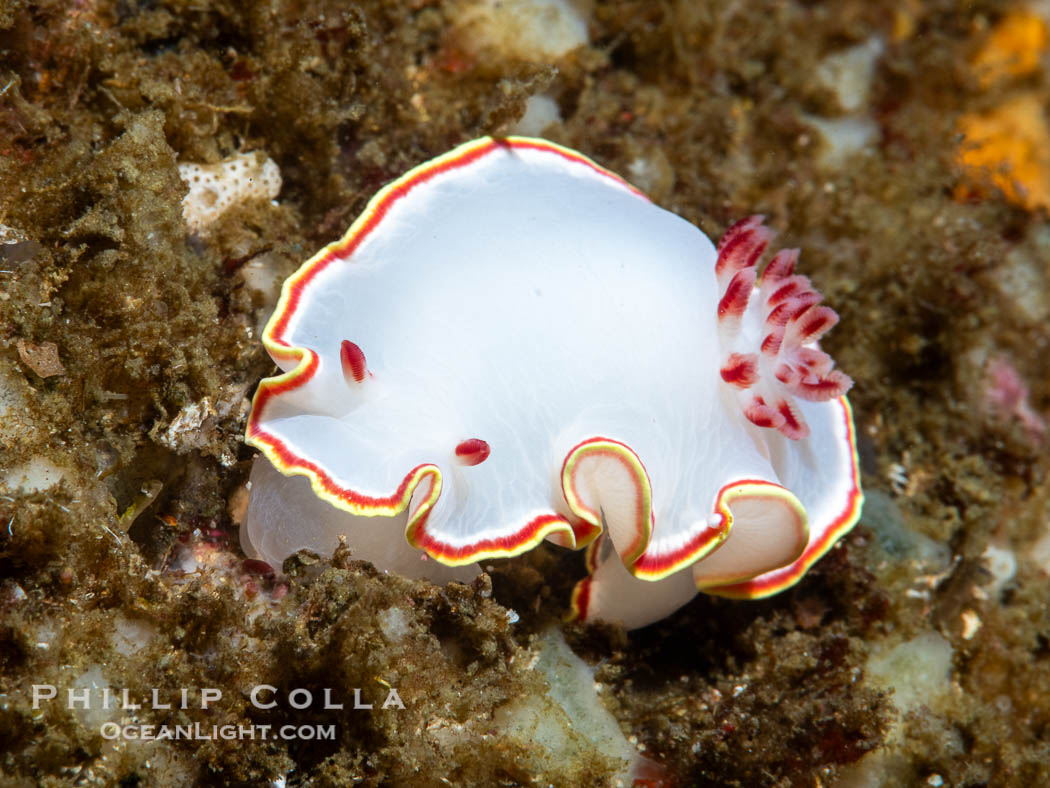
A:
{"x":512,"y":343}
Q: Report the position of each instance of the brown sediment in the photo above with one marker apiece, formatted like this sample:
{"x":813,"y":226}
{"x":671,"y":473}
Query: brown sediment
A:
{"x":156,"y":334}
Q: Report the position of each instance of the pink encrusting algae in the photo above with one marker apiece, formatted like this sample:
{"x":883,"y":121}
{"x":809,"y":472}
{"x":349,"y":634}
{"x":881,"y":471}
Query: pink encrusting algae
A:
{"x":1006,"y":393}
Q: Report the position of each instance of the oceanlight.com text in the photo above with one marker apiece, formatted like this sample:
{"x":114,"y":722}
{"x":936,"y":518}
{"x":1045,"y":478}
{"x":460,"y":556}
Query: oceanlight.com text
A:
{"x":198,"y":732}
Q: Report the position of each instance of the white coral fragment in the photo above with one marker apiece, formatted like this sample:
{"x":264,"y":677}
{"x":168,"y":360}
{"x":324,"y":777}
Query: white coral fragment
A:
{"x":536,"y":30}
{"x":216,"y":188}
{"x":37,"y":475}
{"x":849,"y":73}
{"x":541,"y":112}
{"x":569,"y":724}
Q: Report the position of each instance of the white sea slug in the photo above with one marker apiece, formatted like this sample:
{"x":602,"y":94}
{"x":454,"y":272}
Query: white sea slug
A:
{"x":513,"y":344}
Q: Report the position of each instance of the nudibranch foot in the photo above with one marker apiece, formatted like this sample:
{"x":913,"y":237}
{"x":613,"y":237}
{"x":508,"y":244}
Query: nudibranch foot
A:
{"x":621,"y":377}
{"x":284,"y":516}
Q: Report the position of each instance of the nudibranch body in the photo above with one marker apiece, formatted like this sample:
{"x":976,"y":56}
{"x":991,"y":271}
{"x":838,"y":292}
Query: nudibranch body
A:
{"x":512,"y":344}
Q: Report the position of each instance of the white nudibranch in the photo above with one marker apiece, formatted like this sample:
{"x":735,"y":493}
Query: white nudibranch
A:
{"x":513,"y":344}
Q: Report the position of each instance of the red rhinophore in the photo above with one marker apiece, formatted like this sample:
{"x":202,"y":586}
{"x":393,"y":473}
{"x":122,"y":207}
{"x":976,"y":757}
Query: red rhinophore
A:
{"x":740,"y":369}
{"x":352,"y":359}
{"x":472,"y":452}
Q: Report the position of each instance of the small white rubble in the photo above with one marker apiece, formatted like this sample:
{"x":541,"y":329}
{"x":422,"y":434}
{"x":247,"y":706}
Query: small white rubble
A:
{"x":216,"y":188}
{"x":848,"y":74}
{"x":536,"y":30}
{"x":569,"y":722}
